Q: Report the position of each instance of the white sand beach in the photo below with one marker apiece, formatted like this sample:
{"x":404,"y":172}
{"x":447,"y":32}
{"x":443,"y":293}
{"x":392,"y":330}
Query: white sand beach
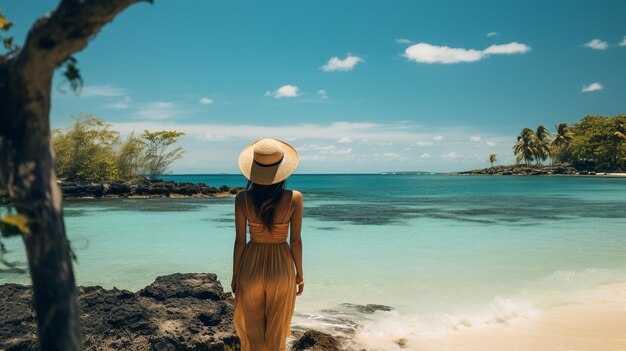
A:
{"x":599,"y":325}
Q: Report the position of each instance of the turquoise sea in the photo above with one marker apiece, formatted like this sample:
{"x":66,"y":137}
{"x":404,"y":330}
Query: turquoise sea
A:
{"x":444,"y":251}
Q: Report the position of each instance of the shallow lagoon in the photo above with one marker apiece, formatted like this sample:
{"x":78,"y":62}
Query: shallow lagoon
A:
{"x":439,"y":249}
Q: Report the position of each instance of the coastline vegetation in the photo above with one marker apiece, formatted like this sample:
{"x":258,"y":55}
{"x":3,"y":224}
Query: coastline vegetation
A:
{"x":89,"y":150}
{"x":595,"y":143}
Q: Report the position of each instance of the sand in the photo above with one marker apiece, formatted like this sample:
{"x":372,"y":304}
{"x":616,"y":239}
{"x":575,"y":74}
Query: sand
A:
{"x":599,"y":326}
{"x":589,"y":319}
{"x":595,"y":320}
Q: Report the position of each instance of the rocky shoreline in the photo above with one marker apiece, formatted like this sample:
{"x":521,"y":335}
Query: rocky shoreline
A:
{"x":189,"y":312}
{"x":142,"y":189}
{"x":530,"y":170}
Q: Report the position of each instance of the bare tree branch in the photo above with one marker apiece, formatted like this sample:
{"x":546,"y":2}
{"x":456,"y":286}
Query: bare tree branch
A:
{"x":54,"y":37}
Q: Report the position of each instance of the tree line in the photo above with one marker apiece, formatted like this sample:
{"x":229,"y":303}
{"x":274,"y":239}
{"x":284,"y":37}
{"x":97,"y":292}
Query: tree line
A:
{"x":90,"y":150}
{"x":594,"y":143}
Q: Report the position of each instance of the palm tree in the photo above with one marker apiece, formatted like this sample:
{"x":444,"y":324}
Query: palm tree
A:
{"x":492,"y":159}
{"x":562,"y":137}
{"x":525,"y":148}
{"x":542,"y":141}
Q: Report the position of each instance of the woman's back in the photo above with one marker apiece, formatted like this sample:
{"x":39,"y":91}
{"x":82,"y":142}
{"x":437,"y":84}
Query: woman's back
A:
{"x":282,"y":212}
{"x":279,"y":231}
{"x":267,"y":269}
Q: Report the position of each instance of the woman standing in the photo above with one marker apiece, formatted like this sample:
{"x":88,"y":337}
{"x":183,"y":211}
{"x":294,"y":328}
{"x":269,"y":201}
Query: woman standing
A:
{"x":267,"y":270}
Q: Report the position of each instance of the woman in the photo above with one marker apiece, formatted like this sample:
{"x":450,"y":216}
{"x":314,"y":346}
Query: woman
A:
{"x":267,"y":272}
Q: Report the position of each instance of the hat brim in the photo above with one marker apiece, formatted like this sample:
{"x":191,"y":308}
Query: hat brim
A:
{"x":268,"y":175}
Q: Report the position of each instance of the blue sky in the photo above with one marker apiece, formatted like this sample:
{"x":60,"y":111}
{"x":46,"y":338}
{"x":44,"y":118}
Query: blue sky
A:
{"x":355,"y":86}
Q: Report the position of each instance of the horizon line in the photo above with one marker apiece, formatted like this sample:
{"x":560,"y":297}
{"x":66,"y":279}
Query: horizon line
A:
{"x":358,"y":173}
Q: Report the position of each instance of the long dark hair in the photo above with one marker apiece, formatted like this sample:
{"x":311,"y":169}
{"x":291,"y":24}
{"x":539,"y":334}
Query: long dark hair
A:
{"x":265,"y":199}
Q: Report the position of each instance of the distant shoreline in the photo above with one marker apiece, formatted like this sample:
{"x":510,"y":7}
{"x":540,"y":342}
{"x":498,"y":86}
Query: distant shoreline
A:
{"x":83,"y":190}
{"x":557,"y":170}
{"x":595,"y":175}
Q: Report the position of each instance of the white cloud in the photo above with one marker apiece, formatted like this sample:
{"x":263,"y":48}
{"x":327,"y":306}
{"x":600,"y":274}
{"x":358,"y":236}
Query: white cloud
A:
{"x":623,"y":42}
{"x":365,"y":132}
{"x":120,"y":105}
{"x":450,"y":156}
{"x":322,"y":94}
{"x":403,"y":41}
{"x":284,"y":91}
{"x":158,"y":110}
{"x":386,"y":155}
{"x":315,"y":158}
{"x":591,"y":87}
{"x":345,"y":140}
{"x":425,"y":155}
{"x":206,"y":101}
{"x":319,"y":141}
{"x":427,"y":53}
{"x":102,"y":90}
{"x":324,"y":149}
{"x":438,"y":137}
{"x":597,"y":44}
{"x":475,"y":138}
{"x":345,"y":151}
{"x":507,"y":49}
{"x":492,"y":34}
{"x":490,"y":144}
{"x":424,"y":143}
{"x":337,"y":64}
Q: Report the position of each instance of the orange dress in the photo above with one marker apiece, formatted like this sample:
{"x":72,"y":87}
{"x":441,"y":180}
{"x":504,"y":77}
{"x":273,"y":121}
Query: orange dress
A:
{"x":265,"y":297}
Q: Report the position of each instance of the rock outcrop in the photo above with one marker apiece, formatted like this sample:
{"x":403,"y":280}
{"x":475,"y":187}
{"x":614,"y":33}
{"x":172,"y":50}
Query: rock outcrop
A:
{"x":170,"y":188}
{"x":526,"y":170}
{"x":313,"y":340}
{"x":141,"y":189}
{"x":178,"y":312}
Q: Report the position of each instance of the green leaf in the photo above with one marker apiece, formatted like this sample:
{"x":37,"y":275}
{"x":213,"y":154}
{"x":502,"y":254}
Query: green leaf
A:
{"x":11,"y":225}
{"x":5,"y":24}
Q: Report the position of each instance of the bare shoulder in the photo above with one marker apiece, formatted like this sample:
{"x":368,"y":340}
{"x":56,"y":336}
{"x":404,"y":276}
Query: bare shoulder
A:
{"x":297,"y":196}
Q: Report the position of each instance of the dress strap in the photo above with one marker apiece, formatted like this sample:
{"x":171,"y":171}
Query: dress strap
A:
{"x":289,"y":209}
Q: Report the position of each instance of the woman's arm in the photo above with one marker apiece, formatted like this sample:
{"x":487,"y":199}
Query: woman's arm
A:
{"x":240,"y":238}
{"x":295,"y":238}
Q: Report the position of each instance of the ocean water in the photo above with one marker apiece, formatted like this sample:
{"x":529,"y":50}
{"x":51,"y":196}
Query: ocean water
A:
{"x":444,"y":252}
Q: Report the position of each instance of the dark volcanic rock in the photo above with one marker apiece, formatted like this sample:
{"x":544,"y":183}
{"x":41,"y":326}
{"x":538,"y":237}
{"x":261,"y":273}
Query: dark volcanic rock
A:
{"x":202,"y":286}
{"x":525,"y":170}
{"x":82,"y":189}
{"x":77,"y":190}
{"x":177,"y":312}
{"x":313,"y":340}
{"x":115,"y":188}
{"x":369,"y":308}
{"x":17,"y":320}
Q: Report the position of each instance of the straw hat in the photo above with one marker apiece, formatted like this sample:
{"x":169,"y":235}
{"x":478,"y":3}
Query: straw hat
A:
{"x":268,"y":161}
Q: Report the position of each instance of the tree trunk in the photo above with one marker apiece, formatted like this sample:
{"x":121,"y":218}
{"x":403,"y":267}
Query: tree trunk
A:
{"x":28,"y":173}
{"x":27,"y":161}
